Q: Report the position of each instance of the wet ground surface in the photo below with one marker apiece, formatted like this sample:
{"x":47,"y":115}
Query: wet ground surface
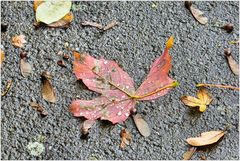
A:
{"x":139,"y":39}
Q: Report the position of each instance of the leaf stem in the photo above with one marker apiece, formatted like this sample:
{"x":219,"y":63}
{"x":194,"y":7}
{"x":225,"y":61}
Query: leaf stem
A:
{"x":173,"y":84}
{"x":217,"y":85}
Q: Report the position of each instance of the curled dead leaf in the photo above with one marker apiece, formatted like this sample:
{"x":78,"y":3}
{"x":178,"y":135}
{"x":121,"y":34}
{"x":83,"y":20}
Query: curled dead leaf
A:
{"x":204,"y":99}
{"x":188,"y":154}
{"x":206,"y":138}
{"x":25,"y":67}
{"x":234,"y":66}
{"x":61,"y":63}
{"x":39,"y":108}
{"x":228,"y":27}
{"x":197,"y":14}
{"x":47,"y":88}
{"x":19,"y":41}
{"x":125,"y":138}
{"x":87,"y":124}
{"x":142,"y":125}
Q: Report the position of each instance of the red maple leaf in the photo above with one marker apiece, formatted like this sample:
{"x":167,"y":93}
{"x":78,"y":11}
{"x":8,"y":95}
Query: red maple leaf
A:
{"x":118,"y":96}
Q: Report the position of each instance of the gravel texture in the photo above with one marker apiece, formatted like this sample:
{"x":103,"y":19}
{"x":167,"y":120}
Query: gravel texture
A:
{"x":139,"y":39}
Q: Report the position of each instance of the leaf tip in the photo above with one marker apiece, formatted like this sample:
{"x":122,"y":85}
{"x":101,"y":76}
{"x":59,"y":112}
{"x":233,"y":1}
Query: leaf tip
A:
{"x":170,"y":42}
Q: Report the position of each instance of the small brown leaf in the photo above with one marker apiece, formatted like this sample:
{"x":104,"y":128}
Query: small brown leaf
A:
{"x":87,"y":124}
{"x":25,"y":67}
{"x":204,"y":99}
{"x":125,"y":138}
{"x":61,"y":63}
{"x":142,"y":125}
{"x":197,"y":14}
{"x":92,"y":24}
{"x":228,"y":27}
{"x":188,"y":154}
{"x":206,"y":138}
{"x":110,"y":25}
{"x":47,"y":88}
{"x":18,"y":41}
{"x":39,"y":108}
{"x":234,"y":66}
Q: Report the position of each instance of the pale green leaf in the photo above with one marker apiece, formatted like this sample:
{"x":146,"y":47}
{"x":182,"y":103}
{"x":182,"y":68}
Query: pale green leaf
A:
{"x":52,"y":11}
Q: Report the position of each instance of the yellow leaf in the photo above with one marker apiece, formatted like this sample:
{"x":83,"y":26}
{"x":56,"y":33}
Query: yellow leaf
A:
{"x":206,"y":138}
{"x":205,"y":96}
{"x":170,"y":42}
{"x":204,"y":99}
{"x":191,"y":101}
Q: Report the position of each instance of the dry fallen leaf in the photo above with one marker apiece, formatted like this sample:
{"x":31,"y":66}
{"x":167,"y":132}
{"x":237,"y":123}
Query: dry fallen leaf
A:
{"x":18,"y":41}
{"x":1,"y":57}
{"x":188,"y":154}
{"x":204,"y":99}
{"x":206,"y":138}
{"x":197,"y":14}
{"x":39,"y":108}
{"x":142,"y":125}
{"x":228,"y":27}
{"x":87,"y":124}
{"x":125,"y":138}
{"x":100,"y":26}
{"x":118,"y":95}
{"x":9,"y":84}
{"x":47,"y":88}
{"x":234,"y":66}
{"x":63,"y":22}
{"x":25,"y":67}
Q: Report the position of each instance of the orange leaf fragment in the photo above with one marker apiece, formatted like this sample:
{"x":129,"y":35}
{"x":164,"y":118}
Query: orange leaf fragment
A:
{"x":206,"y":138}
{"x":204,"y":99}
{"x":18,"y":41}
{"x":1,"y":56}
{"x":125,"y":138}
